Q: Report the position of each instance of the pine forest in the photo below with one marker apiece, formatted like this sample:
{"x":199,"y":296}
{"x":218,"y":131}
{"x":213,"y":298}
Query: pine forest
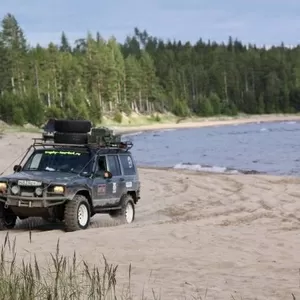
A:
{"x":145,"y":74}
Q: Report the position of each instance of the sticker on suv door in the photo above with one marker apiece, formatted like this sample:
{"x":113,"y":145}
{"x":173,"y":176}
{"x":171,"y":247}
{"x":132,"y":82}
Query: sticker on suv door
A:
{"x":129,"y":184}
{"x":114,"y":187}
{"x":129,"y":160}
{"x":101,"y":189}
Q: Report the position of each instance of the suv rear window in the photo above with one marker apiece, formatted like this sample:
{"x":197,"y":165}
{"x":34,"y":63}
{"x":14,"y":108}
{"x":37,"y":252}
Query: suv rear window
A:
{"x":113,"y":164}
{"x":127,"y":164}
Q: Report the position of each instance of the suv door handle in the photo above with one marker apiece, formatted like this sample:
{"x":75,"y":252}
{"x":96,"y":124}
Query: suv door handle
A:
{"x":122,"y":179}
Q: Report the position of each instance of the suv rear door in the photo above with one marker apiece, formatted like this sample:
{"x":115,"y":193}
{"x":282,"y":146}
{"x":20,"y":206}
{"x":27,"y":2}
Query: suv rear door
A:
{"x":129,"y":172}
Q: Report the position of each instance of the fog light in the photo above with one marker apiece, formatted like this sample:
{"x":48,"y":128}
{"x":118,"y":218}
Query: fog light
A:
{"x":15,"y":189}
{"x":58,"y":189}
{"x":39,"y":191}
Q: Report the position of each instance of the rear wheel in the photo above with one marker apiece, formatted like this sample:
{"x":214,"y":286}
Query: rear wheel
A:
{"x":77,"y":214}
{"x":127,"y":213}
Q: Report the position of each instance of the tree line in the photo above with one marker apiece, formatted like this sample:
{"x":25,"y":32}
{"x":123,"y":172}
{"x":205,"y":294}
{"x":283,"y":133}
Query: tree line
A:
{"x":145,"y":74}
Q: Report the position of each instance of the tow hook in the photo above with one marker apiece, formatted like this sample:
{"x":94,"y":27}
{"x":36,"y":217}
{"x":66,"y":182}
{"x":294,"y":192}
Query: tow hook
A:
{"x":5,"y":206}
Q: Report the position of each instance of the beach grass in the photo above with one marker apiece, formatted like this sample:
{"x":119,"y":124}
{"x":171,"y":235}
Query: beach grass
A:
{"x":65,"y":278}
{"x":136,"y":120}
{"x":62,"y":278}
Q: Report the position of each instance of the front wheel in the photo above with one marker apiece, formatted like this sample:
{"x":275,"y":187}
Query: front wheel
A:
{"x":77,"y":214}
{"x":127,"y":213}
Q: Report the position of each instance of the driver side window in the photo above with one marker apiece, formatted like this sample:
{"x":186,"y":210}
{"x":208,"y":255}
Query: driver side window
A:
{"x":101,"y":165}
{"x":114,"y":165}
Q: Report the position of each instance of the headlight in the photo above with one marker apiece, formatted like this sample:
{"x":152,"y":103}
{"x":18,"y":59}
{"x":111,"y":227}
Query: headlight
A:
{"x":3,"y":186}
{"x":58,"y":189}
{"x":39,"y":191}
{"x":15,"y":189}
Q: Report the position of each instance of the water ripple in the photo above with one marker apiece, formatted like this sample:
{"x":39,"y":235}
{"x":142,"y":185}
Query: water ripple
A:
{"x":263,"y":147}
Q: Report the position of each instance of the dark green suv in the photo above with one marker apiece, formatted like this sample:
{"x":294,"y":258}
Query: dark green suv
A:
{"x":70,"y":174}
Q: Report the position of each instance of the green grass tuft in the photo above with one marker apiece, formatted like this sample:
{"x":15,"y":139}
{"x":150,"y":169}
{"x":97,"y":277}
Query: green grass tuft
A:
{"x":63,"y":278}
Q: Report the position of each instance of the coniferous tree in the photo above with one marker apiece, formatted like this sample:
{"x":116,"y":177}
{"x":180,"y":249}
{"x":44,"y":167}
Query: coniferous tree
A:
{"x":95,"y":77}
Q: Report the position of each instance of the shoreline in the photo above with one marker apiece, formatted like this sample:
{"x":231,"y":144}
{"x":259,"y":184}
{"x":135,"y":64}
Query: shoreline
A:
{"x":206,"y":122}
{"x":139,"y":124}
{"x":187,"y":124}
{"x":227,"y":171}
{"x":209,"y":122}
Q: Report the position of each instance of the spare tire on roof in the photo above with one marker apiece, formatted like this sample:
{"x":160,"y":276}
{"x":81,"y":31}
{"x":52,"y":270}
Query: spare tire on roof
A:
{"x":70,"y":138}
{"x":71,"y":126}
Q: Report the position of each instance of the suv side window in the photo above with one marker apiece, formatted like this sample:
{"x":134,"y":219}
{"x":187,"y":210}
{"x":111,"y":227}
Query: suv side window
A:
{"x":114,"y":165}
{"x":101,"y":164}
{"x":127,"y":164}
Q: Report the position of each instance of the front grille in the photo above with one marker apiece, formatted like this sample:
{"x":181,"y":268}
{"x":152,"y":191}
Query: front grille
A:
{"x":27,"y":191}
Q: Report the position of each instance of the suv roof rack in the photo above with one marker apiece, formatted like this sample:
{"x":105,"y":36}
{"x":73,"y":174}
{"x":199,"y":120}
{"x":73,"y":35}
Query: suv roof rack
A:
{"x":61,"y":133}
{"x":125,"y":145}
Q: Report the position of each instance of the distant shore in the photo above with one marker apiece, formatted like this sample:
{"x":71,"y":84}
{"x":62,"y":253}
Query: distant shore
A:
{"x":206,"y":122}
{"x":136,"y":123}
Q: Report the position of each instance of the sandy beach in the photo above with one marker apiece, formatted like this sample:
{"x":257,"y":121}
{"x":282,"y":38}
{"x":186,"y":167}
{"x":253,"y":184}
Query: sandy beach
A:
{"x":195,"y":234}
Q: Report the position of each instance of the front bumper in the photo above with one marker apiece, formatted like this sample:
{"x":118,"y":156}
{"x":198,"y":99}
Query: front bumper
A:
{"x":33,"y":202}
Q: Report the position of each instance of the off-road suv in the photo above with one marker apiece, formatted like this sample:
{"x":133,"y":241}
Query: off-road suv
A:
{"x":79,"y":172}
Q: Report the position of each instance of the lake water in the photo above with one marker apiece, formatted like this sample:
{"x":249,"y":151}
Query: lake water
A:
{"x":272,"y":148}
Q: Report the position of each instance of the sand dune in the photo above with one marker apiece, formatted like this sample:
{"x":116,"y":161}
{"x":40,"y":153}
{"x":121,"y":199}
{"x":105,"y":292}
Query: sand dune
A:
{"x":224,"y":235}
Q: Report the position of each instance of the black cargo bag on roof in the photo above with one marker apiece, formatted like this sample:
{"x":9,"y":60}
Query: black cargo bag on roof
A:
{"x":103,"y":135}
{"x":72,"y":126}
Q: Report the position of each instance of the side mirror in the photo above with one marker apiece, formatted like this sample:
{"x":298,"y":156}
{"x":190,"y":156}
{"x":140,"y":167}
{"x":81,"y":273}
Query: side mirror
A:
{"x":17,"y":168}
{"x":107,"y":175}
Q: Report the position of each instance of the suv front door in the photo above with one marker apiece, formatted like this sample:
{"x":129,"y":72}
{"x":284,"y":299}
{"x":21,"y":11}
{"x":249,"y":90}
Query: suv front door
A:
{"x":115,"y":185}
{"x":101,"y":195}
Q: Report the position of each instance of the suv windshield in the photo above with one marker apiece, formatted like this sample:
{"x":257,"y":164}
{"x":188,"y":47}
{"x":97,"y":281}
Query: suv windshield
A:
{"x":60,"y":161}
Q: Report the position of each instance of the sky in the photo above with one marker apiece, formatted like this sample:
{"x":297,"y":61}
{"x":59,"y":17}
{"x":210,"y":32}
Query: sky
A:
{"x":263,"y":22}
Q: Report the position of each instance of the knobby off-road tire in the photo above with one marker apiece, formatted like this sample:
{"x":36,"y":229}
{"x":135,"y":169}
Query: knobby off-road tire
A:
{"x":126,"y":214}
{"x":8,"y":219}
{"x":72,"y":126}
{"x":77,"y":214}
